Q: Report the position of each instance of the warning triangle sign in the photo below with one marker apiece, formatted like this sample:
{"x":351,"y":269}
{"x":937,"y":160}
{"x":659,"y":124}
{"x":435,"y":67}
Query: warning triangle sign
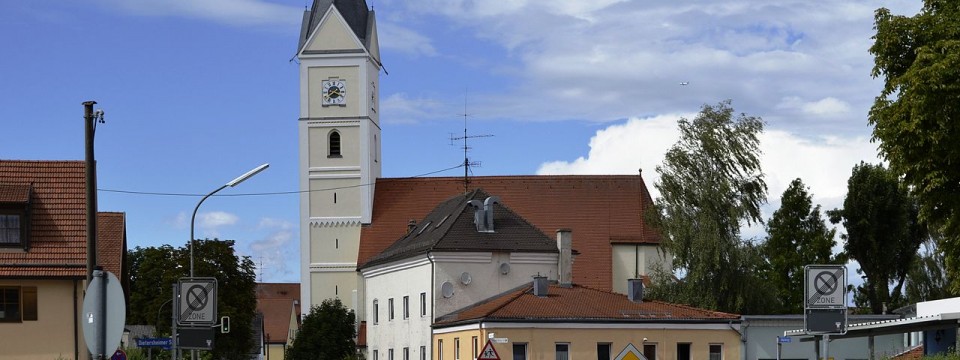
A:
{"x":488,"y":352}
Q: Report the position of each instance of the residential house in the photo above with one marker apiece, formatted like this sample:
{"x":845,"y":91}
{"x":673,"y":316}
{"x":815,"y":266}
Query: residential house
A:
{"x":569,"y":321}
{"x":279,"y":306}
{"x":43,"y":253}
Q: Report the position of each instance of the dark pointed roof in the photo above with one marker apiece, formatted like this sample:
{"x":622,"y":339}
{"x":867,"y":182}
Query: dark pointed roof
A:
{"x":355,"y":12}
{"x":450,"y":227}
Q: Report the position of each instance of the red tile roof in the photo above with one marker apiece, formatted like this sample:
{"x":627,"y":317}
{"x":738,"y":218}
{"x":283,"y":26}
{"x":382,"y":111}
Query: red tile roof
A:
{"x":911,"y":354}
{"x":276,"y":301}
{"x":600,"y":209}
{"x":578,"y":304}
{"x":58,"y":244}
{"x":14,"y":193}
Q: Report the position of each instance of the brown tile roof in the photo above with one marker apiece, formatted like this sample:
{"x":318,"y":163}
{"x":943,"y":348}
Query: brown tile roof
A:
{"x":111,"y":242}
{"x":911,"y":354}
{"x":276,"y":318}
{"x":578,"y":304}
{"x":14,"y":193}
{"x":600,"y":209}
{"x":276,"y":301}
{"x":451,"y":227}
{"x":58,"y":221}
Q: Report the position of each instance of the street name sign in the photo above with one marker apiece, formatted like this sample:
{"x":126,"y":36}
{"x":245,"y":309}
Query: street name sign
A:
{"x":198,"y":302}
{"x":784,"y":339}
{"x":164,"y":343}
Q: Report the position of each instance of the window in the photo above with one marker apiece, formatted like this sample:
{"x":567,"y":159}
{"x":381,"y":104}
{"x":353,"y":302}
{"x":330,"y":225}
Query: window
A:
{"x":683,"y":351}
{"x":563,"y":351}
{"x":334,"y":144}
{"x":716,"y":352}
{"x":423,"y":304}
{"x":603,"y":351}
{"x":375,"y":357}
{"x":376,"y":312}
{"x":18,"y":303}
{"x":423,"y":353}
{"x":390,"y":354}
{"x":440,"y":349}
{"x":376,"y":148}
{"x":456,"y":348}
{"x":406,"y":307}
{"x":519,"y":351}
{"x":650,"y":351}
{"x":406,"y":353}
{"x":475,"y":349}
{"x":12,"y":229}
{"x":390,"y":309}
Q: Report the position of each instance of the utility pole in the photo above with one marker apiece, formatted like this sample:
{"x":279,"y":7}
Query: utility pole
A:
{"x":90,"y":118}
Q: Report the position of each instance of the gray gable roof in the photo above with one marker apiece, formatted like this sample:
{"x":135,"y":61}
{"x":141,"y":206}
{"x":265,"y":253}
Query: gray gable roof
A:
{"x":450,"y":227}
{"x":355,"y":12}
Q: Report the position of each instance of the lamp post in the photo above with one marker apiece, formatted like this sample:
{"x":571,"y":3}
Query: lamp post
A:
{"x":232,"y":183}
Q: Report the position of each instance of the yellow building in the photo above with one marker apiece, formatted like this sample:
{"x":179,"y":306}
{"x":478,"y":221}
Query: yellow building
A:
{"x":43,"y":258}
{"x":548,"y":322}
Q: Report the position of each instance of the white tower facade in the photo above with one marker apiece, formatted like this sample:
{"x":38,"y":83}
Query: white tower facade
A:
{"x":339,"y":138}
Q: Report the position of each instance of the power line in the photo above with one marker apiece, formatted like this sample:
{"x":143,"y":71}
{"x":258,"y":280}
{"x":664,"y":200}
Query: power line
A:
{"x":152,"y":193}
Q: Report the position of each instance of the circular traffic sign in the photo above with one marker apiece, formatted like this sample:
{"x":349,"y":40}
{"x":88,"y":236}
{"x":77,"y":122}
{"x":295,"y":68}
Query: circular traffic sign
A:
{"x":197,"y":297}
{"x":825,"y":283}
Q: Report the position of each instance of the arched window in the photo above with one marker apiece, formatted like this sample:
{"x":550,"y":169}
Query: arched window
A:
{"x":334,"y":144}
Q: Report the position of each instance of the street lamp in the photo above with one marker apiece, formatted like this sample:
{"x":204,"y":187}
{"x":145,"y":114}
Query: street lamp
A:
{"x":232,"y":183}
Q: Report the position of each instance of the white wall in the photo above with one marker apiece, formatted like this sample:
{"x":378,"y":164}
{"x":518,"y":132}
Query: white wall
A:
{"x":394,"y":281}
{"x":487,"y":279}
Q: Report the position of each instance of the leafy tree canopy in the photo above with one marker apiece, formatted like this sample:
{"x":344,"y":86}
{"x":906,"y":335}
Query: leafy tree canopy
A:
{"x":916,"y":117}
{"x":797,"y":235}
{"x":711,"y":184}
{"x":327,"y":333}
{"x":883,"y":232}
{"x":154,"y":271}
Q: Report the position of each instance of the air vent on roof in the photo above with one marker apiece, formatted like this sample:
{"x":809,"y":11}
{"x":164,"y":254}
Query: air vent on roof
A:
{"x":504,"y":268}
{"x":446,"y":289}
{"x":466,"y":278}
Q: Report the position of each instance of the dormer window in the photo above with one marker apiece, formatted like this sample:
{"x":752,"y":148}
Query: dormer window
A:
{"x":14,"y":219}
{"x":334,"y":144}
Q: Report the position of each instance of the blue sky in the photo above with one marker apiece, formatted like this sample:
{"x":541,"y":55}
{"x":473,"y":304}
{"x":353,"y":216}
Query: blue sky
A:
{"x":197,"y":92}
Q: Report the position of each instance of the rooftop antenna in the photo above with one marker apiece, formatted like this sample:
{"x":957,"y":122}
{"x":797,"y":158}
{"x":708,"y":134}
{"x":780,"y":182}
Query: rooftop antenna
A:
{"x":260,"y":269}
{"x":466,"y":160}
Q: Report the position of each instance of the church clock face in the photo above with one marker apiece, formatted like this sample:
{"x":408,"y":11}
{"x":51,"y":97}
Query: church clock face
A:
{"x":334,"y":92}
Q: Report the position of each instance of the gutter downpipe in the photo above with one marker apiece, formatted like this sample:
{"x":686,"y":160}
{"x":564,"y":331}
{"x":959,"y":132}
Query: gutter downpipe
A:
{"x":433,"y":283}
{"x":76,"y":320}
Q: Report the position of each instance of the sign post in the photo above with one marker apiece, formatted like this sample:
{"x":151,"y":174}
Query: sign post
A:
{"x":825,"y":302}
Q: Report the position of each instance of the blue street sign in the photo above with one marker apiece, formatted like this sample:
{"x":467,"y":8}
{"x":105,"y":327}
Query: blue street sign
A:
{"x":164,"y":343}
{"x":784,"y":339}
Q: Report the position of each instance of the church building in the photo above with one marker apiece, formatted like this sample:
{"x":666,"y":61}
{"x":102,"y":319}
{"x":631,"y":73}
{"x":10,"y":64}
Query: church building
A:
{"x":353,"y":219}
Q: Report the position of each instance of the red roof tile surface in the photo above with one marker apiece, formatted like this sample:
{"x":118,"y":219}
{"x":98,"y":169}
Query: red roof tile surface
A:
{"x":58,"y":245}
{"x":600,"y":209}
{"x":578,"y":304}
{"x":912,"y":354}
{"x":276,"y":301}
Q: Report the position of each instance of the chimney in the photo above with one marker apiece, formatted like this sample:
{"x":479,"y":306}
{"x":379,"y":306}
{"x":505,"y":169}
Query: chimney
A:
{"x":478,"y":214}
{"x":540,"y":285}
{"x":488,"y":211}
{"x":635,"y":290}
{"x":411,"y":225}
{"x":565,"y":265}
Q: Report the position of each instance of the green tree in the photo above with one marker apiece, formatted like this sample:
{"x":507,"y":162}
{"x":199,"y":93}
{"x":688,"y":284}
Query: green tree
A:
{"x":883,"y":232}
{"x":796,"y":236}
{"x":710,"y":185}
{"x":927,"y":278}
{"x":327,"y":333}
{"x":916,"y":117}
{"x":154,"y":270}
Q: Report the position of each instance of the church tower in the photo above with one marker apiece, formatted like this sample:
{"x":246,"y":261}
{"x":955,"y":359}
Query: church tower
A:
{"x":339,"y":129}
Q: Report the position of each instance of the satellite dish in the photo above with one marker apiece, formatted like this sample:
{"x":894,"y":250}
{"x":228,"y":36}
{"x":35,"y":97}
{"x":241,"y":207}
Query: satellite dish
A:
{"x":504,"y":268}
{"x":446,"y":289}
{"x":466,"y":278}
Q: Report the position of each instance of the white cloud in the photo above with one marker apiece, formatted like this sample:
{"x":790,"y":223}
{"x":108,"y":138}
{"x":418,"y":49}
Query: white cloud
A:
{"x":404,"y":40}
{"x":210,"y":223}
{"x":229,"y":12}
{"x":824,"y":164}
{"x":276,"y":254}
